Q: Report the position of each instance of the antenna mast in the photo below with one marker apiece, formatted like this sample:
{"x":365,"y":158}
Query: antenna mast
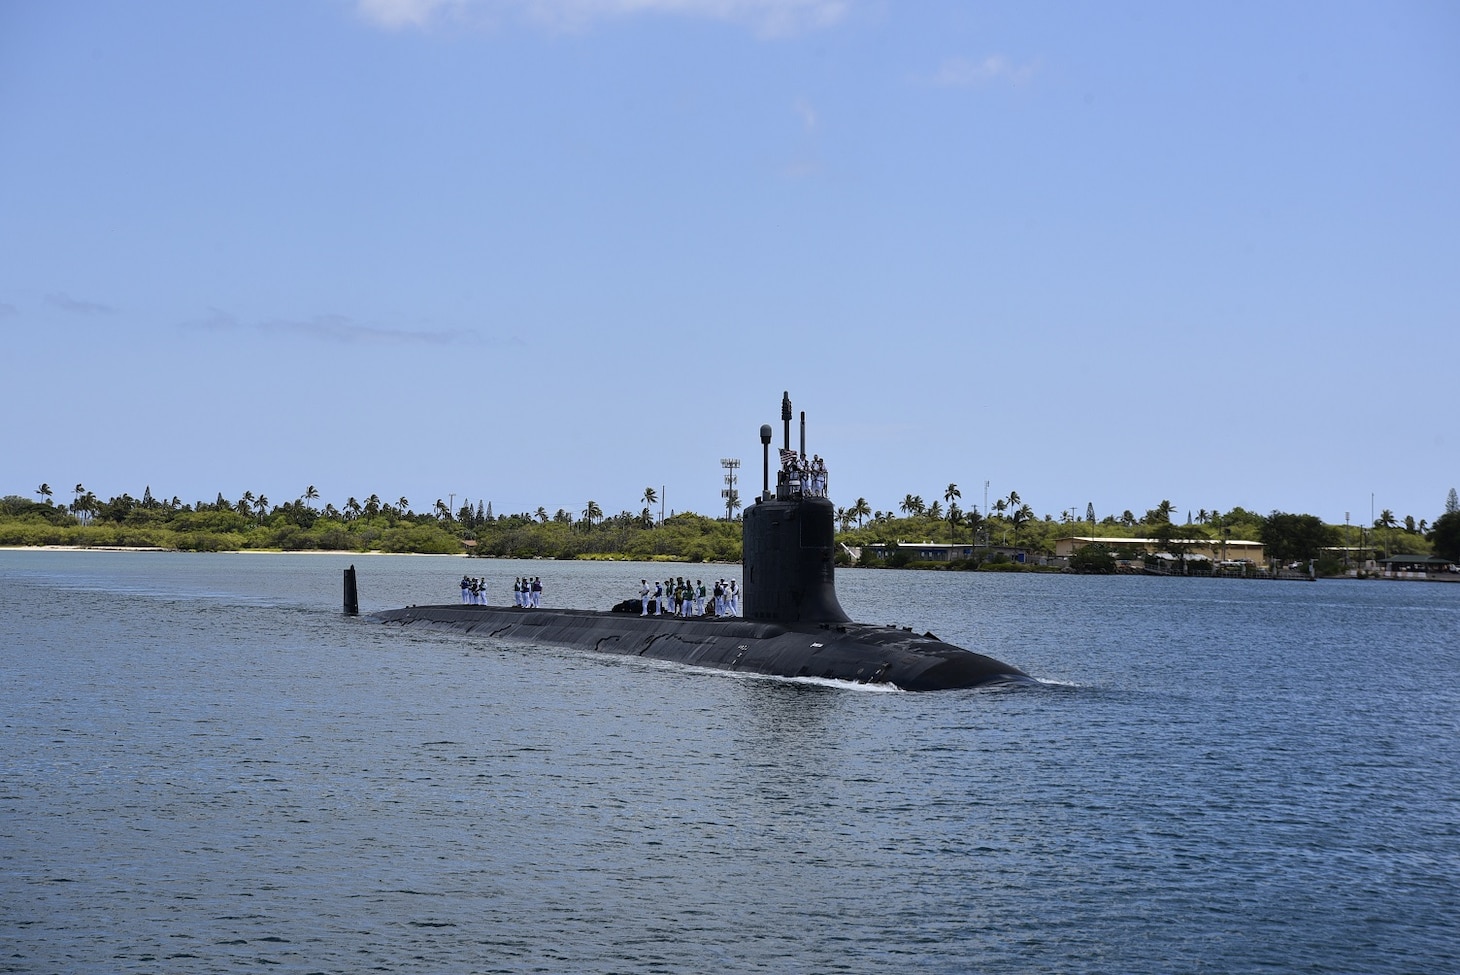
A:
{"x":728,"y":492}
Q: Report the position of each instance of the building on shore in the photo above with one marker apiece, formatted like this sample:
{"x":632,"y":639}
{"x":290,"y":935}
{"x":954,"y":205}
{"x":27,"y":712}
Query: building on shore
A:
{"x":937,"y":551}
{"x":1215,"y":550}
{"x":1417,"y":567}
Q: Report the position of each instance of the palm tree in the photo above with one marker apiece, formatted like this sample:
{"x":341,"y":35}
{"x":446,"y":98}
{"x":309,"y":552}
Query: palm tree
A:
{"x":860,"y":510}
{"x":541,"y":515}
{"x":80,"y":490}
{"x":352,"y":508}
{"x":951,"y":495}
{"x":913,"y":504}
{"x":310,"y":494}
{"x":45,"y":492}
{"x":442,"y":511}
{"x":372,"y":506}
{"x":593,"y":513}
{"x":1021,"y":514}
{"x":955,"y":518}
{"x":262,"y":507}
{"x":402,"y":505}
{"x":975,"y":522}
{"x":935,"y":512}
{"x":651,"y":497}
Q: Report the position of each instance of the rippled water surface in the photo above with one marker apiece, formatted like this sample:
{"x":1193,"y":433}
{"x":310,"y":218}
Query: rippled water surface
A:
{"x":206,"y":768}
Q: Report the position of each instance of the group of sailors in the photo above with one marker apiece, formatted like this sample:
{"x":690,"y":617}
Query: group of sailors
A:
{"x":681,"y":597}
{"x":526,"y":592}
{"x":672,"y":597}
{"x":809,"y":474}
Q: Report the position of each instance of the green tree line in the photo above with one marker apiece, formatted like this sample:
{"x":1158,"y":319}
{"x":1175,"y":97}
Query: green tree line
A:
{"x":254,"y":522}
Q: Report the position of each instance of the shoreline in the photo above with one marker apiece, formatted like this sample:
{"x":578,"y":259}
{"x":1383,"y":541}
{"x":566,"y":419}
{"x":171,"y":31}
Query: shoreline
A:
{"x":231,"y":551}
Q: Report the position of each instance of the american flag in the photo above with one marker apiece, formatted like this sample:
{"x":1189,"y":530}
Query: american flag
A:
{"x":789,"y":459}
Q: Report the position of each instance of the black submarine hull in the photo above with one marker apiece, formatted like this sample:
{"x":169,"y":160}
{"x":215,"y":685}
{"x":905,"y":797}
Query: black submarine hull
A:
{"x":843,"y":651}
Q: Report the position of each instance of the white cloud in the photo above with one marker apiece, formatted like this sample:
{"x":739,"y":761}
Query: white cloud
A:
{"x":770,"y":18}
{"x":78,"y":306}
{"x":965,"y":73}
{"x":337,"y":329}
{"x":807,"y":112}
{"x":398,"y":14}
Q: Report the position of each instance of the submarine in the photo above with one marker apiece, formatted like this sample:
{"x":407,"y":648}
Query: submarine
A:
{"x":792,"y":625}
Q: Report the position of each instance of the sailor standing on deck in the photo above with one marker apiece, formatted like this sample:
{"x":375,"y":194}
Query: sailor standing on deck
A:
{"x":699,"y":597}
{"x":537,"y":592}
{"x":734,"y":598}
{"x":658,"y":597}
{"x":644,"y":597}
{"x":465,"y":589}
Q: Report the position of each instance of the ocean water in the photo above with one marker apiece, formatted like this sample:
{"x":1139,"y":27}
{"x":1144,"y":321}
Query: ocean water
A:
{"x":205,"y":767}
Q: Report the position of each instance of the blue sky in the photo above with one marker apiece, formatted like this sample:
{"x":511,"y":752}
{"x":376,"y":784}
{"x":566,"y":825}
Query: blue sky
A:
{"x":544,"y":252}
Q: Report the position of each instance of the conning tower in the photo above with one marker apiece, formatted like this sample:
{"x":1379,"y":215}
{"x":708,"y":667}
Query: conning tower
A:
{"x":789,"y":540}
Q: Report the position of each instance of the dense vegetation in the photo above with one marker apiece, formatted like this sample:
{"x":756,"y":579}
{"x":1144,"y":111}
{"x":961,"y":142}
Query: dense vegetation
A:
{"x":253,"y":523}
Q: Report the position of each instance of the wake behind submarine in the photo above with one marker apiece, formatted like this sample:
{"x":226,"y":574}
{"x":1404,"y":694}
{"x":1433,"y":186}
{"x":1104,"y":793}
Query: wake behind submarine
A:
{"x":793,"y":625}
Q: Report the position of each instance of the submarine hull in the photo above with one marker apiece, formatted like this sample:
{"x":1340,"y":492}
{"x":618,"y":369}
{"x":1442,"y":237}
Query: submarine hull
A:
{"x":858,"y":652}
